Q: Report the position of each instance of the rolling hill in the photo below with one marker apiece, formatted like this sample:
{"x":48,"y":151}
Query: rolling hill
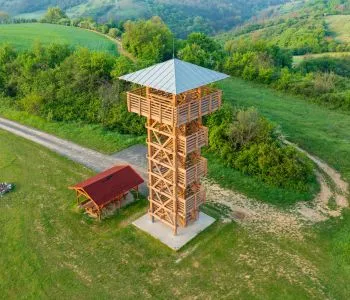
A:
{"x":27,"y":34}
{"x":302,"y":26}
{"x":182,"y":16}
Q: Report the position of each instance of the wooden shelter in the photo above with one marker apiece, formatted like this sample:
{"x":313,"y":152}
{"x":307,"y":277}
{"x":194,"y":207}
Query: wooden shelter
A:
{"x":109,"y":186}
{"x":174,"y":99}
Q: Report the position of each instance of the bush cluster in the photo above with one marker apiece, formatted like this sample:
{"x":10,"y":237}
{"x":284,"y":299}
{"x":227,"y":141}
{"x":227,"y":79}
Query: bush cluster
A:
{"x":248,"y":142}
{"x":62,"y":84}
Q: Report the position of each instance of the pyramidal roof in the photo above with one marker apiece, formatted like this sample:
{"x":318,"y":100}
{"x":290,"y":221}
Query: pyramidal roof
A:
{"x":174,"y":76}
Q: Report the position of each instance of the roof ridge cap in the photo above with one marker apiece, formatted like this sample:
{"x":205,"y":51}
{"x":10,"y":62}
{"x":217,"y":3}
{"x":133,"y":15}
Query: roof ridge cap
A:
{"x":174,"y":59}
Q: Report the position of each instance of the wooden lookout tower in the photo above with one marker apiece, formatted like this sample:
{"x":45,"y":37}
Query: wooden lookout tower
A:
{"x":174,"y":97}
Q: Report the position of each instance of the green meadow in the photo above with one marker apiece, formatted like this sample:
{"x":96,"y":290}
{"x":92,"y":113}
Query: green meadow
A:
{"x":24,"y":36}
{"x":49,"y":249}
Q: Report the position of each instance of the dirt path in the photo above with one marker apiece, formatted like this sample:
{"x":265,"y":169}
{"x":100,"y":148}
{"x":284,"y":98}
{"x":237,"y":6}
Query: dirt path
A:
{"x":330,"y":201}
{"x":118,"y":43}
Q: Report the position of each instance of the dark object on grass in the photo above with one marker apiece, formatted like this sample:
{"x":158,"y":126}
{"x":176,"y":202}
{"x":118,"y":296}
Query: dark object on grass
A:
{"x":5,"y":187}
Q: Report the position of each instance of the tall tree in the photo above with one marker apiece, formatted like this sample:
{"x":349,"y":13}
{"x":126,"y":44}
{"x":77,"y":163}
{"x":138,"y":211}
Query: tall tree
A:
{"x":54,"y":15}
{"x":149,"y":40}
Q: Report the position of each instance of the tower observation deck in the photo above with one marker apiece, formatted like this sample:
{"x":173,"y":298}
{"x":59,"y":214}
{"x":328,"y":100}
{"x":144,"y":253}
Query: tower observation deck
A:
{"x":174,"y":97}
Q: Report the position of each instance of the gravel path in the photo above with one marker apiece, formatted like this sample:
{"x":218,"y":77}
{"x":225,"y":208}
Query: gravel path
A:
{"x":87,"y":157}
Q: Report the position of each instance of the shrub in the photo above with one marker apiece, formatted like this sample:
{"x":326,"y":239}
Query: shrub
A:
{"x":248,"y":142}
{"x":114,"y":32}
{"x":32,"y":103}
{"x":53,"y":15}
{"x":64,"y":85}
{"x":275,"y":164}
{"x":324,"y":82}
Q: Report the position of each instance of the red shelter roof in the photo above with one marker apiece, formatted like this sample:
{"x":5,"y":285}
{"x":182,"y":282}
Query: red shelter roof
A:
{"x":109,"y":184}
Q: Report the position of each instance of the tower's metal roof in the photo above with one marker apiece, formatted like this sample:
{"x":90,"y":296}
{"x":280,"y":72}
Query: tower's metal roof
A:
{"x":174,"y":76}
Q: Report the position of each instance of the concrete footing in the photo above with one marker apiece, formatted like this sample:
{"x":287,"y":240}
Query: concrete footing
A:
{"x":164,"y":233}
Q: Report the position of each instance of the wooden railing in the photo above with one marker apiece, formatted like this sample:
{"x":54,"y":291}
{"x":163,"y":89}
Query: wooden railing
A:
{"x":190,"y":111}
{"x":193,"y":173}
{"x":193,"y":142}
{"x":157,"y":110}
{"x":186,"y":206}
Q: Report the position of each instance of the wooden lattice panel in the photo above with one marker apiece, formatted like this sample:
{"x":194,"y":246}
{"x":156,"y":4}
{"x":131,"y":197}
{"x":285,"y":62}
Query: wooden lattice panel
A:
{"x":175,"y":136}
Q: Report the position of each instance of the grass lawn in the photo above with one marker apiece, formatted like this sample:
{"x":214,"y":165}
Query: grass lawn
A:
{"x":27,"y":34}
{"x":50,"y":250}
{"x":318,"y":130}
{"x":339,"y":25}
{"x":90,"y":136}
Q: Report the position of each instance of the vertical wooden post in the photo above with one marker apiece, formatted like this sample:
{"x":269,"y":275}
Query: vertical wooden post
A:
{"x":149,"y":153}
{"x":175,"y":146}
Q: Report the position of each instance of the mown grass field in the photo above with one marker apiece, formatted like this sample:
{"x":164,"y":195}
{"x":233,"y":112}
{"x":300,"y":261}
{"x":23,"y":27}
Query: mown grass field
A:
{"x":339,"y":25}
{"x":50,"y":250}
{"x":28,"y":34}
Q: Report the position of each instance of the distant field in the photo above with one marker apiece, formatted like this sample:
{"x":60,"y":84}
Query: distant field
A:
{"x":27,"y":34}
{"x":340,"y":26}
{"x":297,"y":59}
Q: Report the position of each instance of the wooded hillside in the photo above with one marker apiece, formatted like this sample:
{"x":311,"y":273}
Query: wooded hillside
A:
{"x":182,"y":17}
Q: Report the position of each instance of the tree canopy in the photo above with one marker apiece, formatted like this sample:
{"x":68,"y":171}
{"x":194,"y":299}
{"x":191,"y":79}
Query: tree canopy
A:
{"x":54,"y":15}
{"x":149,"y":40}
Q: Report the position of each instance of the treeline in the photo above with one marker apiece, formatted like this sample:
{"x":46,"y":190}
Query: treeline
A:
{"x":323,"y":80}
{"x":63,"y":84}
{"x":55,"y":15}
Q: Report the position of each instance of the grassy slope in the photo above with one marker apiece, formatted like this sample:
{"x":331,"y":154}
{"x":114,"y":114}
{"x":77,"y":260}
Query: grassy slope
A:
{"x":297,"y":59}
{"x":340,"y":26}
{"x":27,"y":34}
{"x":48,"y":249}
{"x":318,"y":130}
{"x":91,"y":136}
